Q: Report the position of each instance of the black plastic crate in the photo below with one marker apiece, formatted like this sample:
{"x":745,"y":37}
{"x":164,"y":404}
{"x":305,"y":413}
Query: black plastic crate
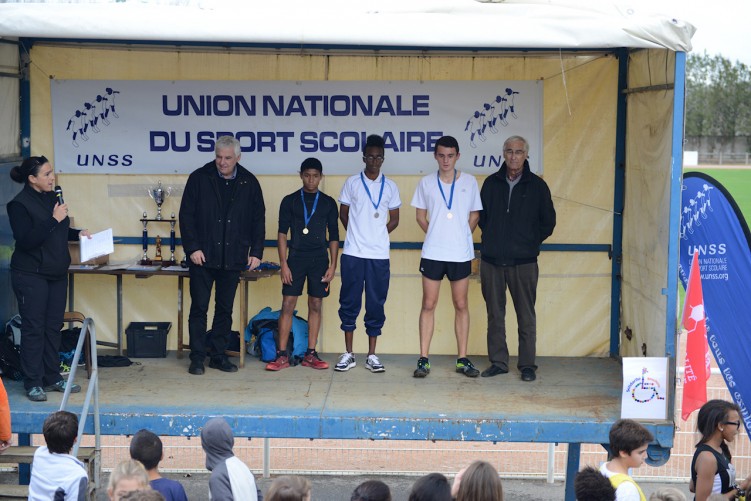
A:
{"x":147,"y":339}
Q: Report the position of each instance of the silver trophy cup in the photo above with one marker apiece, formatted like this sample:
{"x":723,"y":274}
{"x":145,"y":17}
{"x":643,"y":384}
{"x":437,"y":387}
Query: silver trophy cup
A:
{"x":159,"y":195}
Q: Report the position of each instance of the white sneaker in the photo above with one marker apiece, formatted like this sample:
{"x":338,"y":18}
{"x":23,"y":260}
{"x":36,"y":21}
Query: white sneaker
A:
{"x":346,"y":362}
{"x":374,"y":365}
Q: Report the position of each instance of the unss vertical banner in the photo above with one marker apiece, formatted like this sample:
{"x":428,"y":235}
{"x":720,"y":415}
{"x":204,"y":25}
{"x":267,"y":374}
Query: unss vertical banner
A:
{"x":136,"y":126}
{"x":712,"y":224}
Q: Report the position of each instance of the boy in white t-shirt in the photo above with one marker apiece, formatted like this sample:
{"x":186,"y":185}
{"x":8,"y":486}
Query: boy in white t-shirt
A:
{"x":448,"y":208}
{"x":628,"y":449}
{"x":369,"y":211}
{"x":55,"y":473}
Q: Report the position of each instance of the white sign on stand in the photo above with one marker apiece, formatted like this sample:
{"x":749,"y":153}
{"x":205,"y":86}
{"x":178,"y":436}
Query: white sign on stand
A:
{"x":645,"y":394}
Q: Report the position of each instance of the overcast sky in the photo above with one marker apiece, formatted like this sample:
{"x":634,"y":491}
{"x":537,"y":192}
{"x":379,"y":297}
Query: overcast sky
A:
{"x":722,"y":25}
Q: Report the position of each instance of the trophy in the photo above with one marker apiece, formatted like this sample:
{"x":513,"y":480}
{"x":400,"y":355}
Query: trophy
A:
{"x":159,"y":195}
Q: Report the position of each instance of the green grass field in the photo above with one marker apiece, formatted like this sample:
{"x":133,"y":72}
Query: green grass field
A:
{"x":737,"y":182}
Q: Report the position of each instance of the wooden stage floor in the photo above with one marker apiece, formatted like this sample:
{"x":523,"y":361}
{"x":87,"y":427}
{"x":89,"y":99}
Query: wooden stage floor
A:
{"x":573,"y":400}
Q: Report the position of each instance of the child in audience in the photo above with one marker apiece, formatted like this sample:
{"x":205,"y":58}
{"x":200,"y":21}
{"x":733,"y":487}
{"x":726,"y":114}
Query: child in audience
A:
{"x":230,"y":478}
{"x":371,"y":490}
{"x":591,"y":485}
{"x":628,"y":449}
{"x":129,"y":475}
{"x":289,"y":488}
{"x":147,"y":448}
{"x":142,"y":495}
{"x":431,"y":487}
{"x":55,"y":474}
{"x":477,"y":482}
{"x":668,"y":494}
{"x":712,"y":471}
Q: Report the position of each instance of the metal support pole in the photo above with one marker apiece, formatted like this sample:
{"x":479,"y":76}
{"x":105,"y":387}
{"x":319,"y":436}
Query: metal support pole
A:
{"x":572,"y":468}
{"x":551,"y":463}
{"x":266,"y":458}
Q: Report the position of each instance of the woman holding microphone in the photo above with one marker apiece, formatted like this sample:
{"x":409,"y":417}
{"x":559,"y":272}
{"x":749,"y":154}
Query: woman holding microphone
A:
{"x":39,"y":273}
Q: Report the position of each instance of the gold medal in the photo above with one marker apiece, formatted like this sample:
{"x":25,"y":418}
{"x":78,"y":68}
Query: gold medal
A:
{"x":304,"y":231}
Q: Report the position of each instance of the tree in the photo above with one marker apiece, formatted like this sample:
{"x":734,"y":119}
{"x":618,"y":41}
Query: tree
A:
{"x":718,"y":97}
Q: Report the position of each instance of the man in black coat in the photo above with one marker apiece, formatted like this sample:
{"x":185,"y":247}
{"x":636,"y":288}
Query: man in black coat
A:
{"x":517,"y":216}
{"x":222,"y":226}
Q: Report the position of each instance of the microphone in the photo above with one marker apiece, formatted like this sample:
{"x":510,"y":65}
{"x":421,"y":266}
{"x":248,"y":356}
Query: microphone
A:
{"x":59,"y":194}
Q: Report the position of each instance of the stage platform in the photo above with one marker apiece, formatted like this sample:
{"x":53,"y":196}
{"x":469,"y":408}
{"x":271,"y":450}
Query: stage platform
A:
{"x":573,"y":400}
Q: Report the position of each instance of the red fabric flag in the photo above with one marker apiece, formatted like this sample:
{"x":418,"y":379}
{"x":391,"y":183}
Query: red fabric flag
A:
{"x":697,"y":365}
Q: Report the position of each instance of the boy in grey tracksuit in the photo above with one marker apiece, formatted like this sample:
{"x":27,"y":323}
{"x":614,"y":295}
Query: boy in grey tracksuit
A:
{"x":230,"y":478}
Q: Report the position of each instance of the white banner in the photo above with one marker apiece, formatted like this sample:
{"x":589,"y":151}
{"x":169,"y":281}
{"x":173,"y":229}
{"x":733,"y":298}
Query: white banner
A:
{"x":645,"y":388}
{"x":155,"y":127}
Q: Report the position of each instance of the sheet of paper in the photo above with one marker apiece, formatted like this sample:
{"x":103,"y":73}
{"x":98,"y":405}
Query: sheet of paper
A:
{"x":100,"y":244}
{"x":115,"y":266}
{"x":174,"y":268}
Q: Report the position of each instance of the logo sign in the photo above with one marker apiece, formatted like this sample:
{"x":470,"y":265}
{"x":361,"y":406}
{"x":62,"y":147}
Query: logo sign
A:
{"x":644,"y":388}
{"x":712,"y":225}
{"x":150,"y":127}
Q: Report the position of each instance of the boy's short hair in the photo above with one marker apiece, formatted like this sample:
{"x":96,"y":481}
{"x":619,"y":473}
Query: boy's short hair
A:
{"x":311,"y":163}
{"x":668,"y":494}
{"x":142,"y":495}
{"x":146,"y":447}
{"x":591,"y":485}
{"x":374,"y":141}
{"x":627,"y":435}
{"x":371,"y":490}
{"x":60,"y":431}
{"x":446,"y":142}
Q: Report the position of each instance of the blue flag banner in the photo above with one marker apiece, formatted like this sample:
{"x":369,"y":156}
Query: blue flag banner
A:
{"x":712,"y":224}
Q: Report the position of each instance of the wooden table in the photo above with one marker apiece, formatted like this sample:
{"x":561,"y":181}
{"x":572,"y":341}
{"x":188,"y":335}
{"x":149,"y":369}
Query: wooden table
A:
{"x":245,"y":277}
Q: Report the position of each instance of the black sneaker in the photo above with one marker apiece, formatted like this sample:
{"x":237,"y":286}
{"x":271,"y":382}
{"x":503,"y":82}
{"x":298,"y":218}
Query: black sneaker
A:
{"x":423,"y":367}
{"x":196,"y":368}
{"x":61,"y":385}
{"x":36,"y":394}
{"x":223,"y":365}
{"x":464,"y":366}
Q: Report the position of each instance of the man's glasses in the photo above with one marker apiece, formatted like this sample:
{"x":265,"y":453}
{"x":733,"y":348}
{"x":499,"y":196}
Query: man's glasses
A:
{"x":372,"y":158}
{"x":518,"y":153}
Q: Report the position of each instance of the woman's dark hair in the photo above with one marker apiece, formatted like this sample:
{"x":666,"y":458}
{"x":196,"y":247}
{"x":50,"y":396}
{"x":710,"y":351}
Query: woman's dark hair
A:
{"x":371,"y":490}
{"x":711,"y":415}
{"x":29,"y":167}
{"x":432,"y":487}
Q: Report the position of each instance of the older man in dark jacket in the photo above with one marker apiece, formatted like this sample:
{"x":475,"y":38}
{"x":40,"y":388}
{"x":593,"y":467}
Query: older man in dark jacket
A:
{"x":222,"y":226}
{"x":517,"y":216}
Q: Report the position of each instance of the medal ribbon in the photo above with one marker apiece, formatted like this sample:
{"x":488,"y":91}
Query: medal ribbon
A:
{"x":305,"y":207}
{"x":380,"y":196}
{"x":451,"y":196}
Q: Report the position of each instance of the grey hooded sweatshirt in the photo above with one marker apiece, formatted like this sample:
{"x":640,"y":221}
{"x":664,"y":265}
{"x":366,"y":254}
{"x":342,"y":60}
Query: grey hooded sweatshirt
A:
{"x":217,"y":442}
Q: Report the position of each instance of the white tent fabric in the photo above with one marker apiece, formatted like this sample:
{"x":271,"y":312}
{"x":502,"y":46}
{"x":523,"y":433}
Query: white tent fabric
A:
{"x":510,"y":24}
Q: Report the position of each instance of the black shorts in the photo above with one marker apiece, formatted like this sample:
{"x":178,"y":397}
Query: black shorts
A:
{"x":307,"y":268}
{"x":436,"y":270}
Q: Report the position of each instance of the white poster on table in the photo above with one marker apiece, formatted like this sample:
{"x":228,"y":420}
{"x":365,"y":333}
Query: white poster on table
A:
{"x":165,"y":127}
{"x":645,"y":389}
